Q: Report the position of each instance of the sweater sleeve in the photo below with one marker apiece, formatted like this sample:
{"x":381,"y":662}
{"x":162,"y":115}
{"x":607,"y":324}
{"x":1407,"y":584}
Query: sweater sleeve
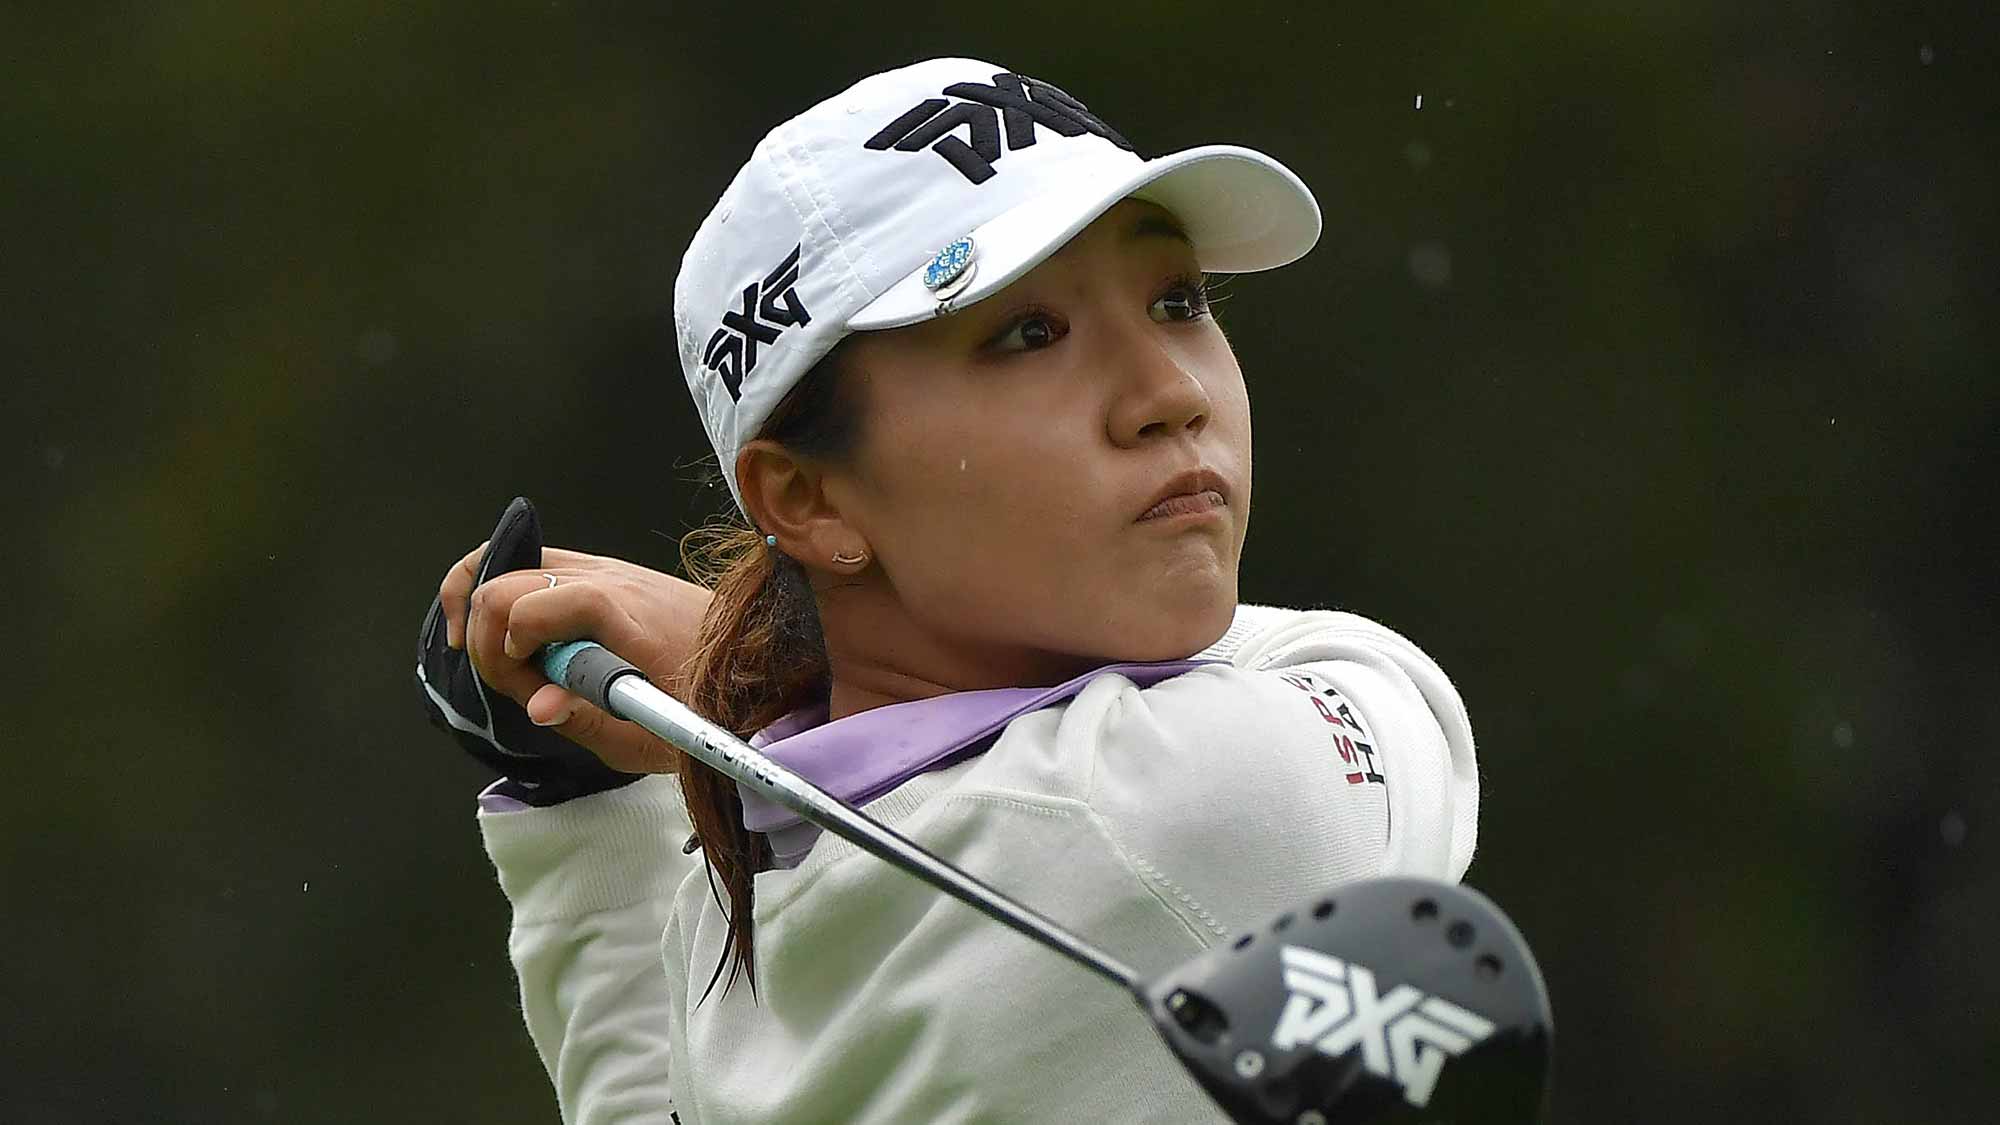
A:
{"x":591,"y":882}
{"x":1327,"y":749}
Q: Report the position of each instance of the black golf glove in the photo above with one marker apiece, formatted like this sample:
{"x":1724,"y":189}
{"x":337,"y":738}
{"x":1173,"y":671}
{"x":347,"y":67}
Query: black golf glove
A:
{"x":542,"y":767}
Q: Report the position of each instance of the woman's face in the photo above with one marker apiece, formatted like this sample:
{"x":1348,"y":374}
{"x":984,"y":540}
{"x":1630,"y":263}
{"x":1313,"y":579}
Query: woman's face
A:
{"x":1010,"y":450}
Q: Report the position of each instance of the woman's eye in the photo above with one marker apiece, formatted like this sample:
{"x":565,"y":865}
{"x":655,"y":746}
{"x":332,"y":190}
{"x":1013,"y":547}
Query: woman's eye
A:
{"x":1184,"y":300}
{"x":1036,"y":330}
{"x":1187,"y":300}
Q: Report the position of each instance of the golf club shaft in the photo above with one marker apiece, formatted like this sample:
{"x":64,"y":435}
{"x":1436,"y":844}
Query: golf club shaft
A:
{"x":632,"y":697}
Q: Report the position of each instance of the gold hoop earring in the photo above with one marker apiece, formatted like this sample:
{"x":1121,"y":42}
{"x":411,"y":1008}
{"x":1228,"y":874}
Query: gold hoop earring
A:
{"x":843,"y":560}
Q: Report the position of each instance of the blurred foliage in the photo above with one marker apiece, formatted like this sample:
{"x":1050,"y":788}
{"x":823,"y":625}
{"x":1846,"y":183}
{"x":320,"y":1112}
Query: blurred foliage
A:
{"x":1642,"y":376}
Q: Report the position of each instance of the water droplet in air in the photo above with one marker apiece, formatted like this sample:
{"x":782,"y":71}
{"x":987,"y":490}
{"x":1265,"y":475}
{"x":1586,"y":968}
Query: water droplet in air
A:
{"x":376,"y":347}
{"x":1430,"y":264}
{"x":1952,"y":829}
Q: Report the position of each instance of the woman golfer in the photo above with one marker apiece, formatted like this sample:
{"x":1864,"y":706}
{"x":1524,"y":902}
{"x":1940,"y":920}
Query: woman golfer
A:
{"x":949,"y":336}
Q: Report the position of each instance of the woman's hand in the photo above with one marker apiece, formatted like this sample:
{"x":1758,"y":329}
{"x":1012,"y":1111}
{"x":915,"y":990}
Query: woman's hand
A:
{"x":647,"y":617}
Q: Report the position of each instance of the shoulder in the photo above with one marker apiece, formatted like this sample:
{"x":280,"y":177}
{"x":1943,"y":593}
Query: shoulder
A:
{"x":1293,"y":658}
{"x":1263,"y":636}
{"x":1318,"y":720}
{"x":1278,"y":678}
{"x":1314,"y":650}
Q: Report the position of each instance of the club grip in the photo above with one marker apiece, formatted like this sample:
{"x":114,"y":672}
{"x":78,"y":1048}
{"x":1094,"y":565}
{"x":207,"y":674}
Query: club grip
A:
{"x":588,"y":669}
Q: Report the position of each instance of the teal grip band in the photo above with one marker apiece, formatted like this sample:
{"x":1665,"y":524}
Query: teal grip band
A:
{"x":556,"y":659}
{"x":588,"y":669}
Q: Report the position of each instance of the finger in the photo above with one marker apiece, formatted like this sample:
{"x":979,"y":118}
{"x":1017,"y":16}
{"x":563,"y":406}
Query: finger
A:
{"x":453,"y":592}
{"x":562,"y":556}
{"x":495,"y":600}
{"x":579,"y":611}
{"x":617,"y":743}
{"x":486,"y":630}
{"x":553,"y":705}
{"x":456,"y":589}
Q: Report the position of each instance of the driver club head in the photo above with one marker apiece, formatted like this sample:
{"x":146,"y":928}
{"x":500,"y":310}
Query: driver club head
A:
{"x":1387,"y":1000}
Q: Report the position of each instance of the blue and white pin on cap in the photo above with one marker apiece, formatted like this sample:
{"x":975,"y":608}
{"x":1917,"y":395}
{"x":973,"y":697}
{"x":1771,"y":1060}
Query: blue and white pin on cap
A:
{"x":950,"y":271}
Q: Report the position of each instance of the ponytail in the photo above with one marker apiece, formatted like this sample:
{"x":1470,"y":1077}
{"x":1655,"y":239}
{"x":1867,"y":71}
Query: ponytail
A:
{"x":759,"y":653}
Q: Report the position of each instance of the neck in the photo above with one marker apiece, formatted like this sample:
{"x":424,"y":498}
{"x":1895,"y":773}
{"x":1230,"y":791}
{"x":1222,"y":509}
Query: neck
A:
{"x":878,"y":655}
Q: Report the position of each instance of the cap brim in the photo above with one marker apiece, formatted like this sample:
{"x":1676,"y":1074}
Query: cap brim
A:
{"x":1243,"y":212}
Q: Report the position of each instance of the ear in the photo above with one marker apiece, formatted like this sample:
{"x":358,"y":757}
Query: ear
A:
{"x":786,"y":496}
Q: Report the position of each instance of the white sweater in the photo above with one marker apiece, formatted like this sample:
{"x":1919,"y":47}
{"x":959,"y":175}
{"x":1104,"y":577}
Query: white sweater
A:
{"x":1152,"y":822}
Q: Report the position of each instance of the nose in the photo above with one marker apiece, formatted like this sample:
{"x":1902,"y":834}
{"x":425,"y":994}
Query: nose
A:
{"x":1158,"y":395}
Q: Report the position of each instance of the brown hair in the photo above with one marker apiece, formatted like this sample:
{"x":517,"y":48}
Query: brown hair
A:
{"x":759,"y":653}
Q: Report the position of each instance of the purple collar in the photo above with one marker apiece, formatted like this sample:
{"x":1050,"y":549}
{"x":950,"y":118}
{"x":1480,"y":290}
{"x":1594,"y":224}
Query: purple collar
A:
{"x":865,"y":755}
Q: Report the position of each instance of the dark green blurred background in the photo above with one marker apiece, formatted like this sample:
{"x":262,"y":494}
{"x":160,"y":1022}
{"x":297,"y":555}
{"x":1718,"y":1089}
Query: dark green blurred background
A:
{"x":1644,"y":376}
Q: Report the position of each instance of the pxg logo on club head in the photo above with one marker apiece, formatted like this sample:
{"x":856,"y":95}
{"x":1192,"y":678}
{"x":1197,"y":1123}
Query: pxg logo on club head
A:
{"x":1392,"y":1000}
{"x":1404,"y":1036}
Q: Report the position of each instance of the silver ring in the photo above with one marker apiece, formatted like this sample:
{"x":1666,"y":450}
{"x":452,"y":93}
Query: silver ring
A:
{"x":551,"y":578}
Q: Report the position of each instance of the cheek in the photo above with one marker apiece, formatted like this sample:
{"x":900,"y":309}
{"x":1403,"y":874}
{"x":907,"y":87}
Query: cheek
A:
{"x":1227,"y":437}
{"x":978,"y":517}
{"x":1231,"y":397}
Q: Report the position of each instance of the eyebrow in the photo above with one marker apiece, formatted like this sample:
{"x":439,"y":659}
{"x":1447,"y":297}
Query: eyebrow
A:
{"x":1155,"y":225}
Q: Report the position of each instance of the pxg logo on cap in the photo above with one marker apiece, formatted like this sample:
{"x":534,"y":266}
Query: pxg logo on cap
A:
{"x":765,"y":310}
{"x":1014,"y":100}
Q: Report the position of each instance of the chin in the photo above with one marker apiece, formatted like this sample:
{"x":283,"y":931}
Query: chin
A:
{"x":1178,"y":631}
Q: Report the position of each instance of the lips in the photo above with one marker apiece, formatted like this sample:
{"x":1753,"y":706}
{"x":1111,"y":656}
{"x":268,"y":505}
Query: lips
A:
{"x":1194,"y":490}
{"x":1184,"y":505}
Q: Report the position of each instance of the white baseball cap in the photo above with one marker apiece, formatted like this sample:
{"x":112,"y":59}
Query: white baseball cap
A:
{"x":916,"y":192}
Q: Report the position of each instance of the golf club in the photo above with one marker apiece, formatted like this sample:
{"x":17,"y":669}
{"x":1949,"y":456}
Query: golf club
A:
{"x":1387,"y":1000}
